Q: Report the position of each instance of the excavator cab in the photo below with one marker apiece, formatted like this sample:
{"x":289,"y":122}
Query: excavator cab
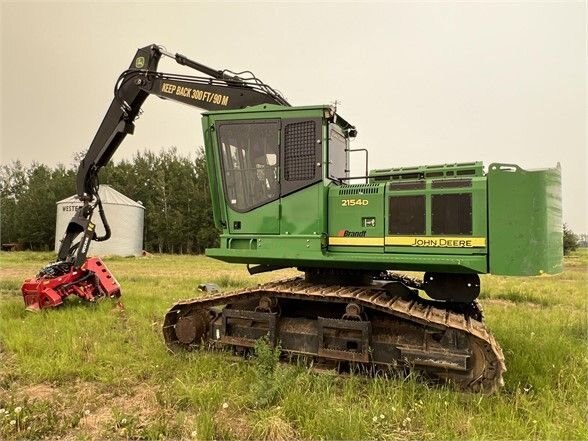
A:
{"x":269,"y":170}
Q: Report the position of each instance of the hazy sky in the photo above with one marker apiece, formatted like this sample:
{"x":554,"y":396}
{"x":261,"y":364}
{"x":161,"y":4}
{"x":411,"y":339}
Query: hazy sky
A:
{"x":424,"y":82}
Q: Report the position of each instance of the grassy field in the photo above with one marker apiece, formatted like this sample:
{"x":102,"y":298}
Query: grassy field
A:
{"x":101,"y":371}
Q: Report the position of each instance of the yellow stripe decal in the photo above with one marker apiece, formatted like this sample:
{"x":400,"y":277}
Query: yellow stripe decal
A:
{"x":411,"y":241}
{"x":357,"y":241}
{"x":436,"y":241}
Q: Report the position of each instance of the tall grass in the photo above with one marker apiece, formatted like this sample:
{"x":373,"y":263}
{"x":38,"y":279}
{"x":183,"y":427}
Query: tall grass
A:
{"x":109,"y":364}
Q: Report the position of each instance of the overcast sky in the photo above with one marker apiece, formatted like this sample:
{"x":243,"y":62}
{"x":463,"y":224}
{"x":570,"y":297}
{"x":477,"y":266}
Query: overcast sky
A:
{"x":424,"y":82}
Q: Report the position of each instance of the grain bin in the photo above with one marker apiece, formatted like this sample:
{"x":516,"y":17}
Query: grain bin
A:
{"x":124,"y":215}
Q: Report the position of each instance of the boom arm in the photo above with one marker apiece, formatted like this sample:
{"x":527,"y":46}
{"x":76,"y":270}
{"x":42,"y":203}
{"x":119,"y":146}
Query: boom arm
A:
{"x":221,"y":89}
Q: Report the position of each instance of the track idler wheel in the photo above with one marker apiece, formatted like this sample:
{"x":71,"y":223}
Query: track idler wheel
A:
{"x":191,"y":329}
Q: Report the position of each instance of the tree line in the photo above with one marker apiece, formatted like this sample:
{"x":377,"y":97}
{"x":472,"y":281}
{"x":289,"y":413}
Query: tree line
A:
{"x":173,"y":189}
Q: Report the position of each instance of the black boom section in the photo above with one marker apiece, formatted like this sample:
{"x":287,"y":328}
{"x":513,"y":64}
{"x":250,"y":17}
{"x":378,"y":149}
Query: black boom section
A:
{"x":219,"y":91}
{"x":117,"y":123}
{"x":207,"y":94}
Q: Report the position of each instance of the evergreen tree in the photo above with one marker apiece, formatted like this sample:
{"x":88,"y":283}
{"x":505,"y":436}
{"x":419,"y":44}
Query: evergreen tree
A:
{"x":570,"y":240}
{"x":172,"y":188}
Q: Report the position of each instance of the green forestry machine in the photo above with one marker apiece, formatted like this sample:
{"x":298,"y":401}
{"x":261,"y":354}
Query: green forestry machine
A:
{"x":282,"y":196}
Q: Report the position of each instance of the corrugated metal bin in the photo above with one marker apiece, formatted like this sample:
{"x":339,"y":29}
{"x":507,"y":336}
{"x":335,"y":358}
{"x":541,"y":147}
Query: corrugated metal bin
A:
{"x":125,"y":216}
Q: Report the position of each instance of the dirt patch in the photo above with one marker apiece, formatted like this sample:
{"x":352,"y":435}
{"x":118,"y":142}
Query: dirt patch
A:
{"x":235,"y":422}
{"x":94,"y":405}
{"x":141,"y":400}
{"x":95,"y":423}
{"x":86,"y":391}
{"x":100,"y":408}
{"x":39,"y":392}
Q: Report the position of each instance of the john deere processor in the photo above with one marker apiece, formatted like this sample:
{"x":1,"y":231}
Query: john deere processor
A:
{"x":282,"y":196}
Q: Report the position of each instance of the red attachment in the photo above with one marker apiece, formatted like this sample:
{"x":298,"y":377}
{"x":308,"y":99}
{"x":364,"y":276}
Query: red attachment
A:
{"x":89,"y":282}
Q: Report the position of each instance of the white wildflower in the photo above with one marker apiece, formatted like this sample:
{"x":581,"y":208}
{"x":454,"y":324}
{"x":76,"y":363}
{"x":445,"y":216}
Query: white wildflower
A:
{"x":123,"y":421}
{"x":13,"y":422}
{"x":382,"y":416}
{"x":17,"y":410}
{"x":393,"y":409}
{"x":87,"y":412}
{"x":375,"y":419}
{"x":225,"y":405}
{"x":194,"y":434}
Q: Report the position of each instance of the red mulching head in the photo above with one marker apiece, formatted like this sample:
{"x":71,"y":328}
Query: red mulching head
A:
{"x":50,"y":287}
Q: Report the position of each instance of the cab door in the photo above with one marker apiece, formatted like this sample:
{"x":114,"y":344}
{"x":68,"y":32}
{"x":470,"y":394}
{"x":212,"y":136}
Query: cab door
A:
{"x":250,"y":158}
{"x":301,"y":169}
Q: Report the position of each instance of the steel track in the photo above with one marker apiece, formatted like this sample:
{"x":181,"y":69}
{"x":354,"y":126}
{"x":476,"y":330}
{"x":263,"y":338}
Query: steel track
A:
{"x":413,"y":309}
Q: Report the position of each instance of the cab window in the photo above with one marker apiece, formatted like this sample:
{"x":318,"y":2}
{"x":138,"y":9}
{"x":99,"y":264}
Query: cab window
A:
{"x":337,"y":154}
{"x":250,"y":158}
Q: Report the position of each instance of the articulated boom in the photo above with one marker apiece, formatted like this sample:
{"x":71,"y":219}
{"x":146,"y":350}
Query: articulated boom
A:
{"x":220,"y":89}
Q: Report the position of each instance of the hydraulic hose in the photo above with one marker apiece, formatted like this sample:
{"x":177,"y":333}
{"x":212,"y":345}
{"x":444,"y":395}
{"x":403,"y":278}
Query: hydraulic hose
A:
{"x":107,"y":233}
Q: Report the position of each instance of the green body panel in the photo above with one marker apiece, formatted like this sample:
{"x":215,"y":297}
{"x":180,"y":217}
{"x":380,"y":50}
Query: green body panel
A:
{"x":356,"y":213}
{"x":302,"y":211}
{"x":525,"y":220}
{"x":457,"y":218}
{"x":262,"y":220}
{"x":353,"y":208}
{"x":304,"y":252}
